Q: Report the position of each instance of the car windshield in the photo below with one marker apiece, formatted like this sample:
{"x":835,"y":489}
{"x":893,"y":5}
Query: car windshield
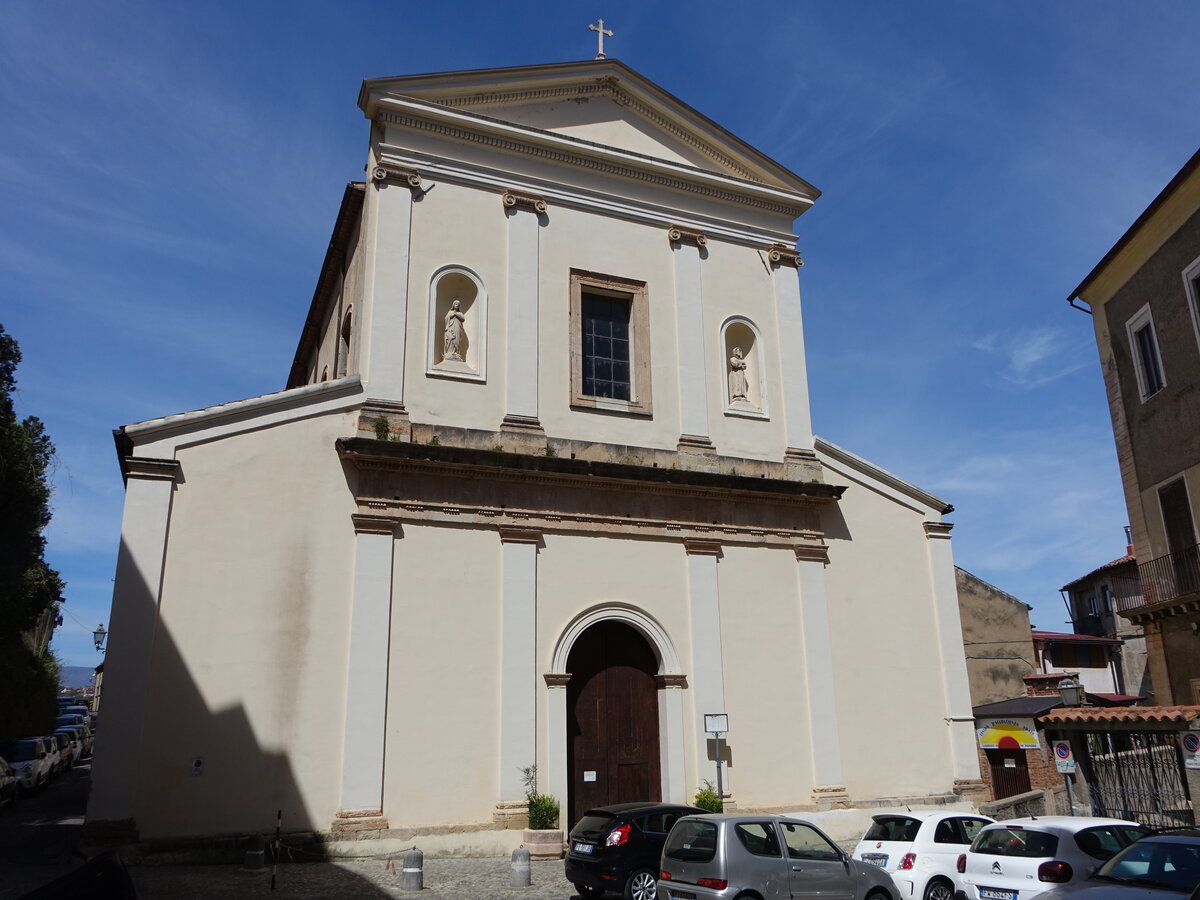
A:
{"x":21,"y":751}
{"x":692,"y":841}
{"x":1015,"y":841}
{"x":593,"y":825}
{"x":1173,"y":864}
{"x":893,"y":828}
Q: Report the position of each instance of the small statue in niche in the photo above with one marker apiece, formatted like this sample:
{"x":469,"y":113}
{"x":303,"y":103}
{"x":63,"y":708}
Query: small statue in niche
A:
{"x":738,"y":388}
{"x":452,"y":334}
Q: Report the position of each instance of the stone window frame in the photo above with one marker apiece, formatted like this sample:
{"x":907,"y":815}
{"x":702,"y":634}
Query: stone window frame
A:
{"x":640,"y":387}
{"x":1191,"y":275}
{"x":1138,"y":322}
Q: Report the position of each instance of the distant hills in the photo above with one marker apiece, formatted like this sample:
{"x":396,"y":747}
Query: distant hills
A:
{"x":75,"y":676}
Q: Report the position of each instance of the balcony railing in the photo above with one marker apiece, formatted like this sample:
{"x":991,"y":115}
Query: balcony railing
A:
{"x":1172,"y":576}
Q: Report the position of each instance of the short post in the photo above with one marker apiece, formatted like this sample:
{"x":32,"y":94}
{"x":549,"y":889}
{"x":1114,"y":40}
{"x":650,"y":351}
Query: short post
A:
{"x":412,"y":875}
{"x":717,"y":724}
{"x":1064,"y":761}
{"x":519,"y":874}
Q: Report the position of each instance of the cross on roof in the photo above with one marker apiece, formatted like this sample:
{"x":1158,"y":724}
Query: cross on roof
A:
{"x":601,"y":31}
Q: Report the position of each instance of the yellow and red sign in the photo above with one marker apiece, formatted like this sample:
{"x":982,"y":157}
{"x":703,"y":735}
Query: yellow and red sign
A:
{"x":1007,"y":734}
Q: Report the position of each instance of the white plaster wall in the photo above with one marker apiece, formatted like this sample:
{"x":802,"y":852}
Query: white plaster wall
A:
{"x":248,"y":667}
{"x":455,"y":225}
{"x":736,"y":282}
{"x":891,"y":696}
{"x":443,"y":679}
{"x":765,"y":678}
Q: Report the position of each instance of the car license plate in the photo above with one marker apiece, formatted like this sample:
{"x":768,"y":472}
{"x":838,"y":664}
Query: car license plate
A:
{"x":680,"y":895}
{"x":582,"y":848}
{"x":996,"y":894}
{"x":875,"y":859}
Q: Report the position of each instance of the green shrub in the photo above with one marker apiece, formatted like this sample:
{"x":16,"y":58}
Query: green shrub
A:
{"x":708,"y":799}
{"x":381,"y":429}
{"x":543,"y":809}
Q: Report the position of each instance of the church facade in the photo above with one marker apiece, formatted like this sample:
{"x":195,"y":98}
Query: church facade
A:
{"x":542,"y":489}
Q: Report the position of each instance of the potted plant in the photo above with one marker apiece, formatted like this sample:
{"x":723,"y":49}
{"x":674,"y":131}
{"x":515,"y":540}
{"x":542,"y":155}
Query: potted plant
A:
{"x":543,"y":838}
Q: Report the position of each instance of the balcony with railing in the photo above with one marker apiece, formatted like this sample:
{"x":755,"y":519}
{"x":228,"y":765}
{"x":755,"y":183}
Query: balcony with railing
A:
{"x":1170,"y":577}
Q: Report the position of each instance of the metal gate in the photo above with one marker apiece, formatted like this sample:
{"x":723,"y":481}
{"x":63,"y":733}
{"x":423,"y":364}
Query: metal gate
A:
{"x":1138,"y":775}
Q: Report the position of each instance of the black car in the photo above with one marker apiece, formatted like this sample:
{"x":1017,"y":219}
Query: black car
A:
{"x":618,"y":848}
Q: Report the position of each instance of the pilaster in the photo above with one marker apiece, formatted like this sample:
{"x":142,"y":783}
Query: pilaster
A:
{"x":828,"y":788}
{"x":784,"y":263}
{"x":145,"y":524}
{"x":521,"y":358}
{"x":673,"y":759}
{"x":518,"y":667}
{"x":688,"y":249}
{"x":708,"y":671}
{"x":389,"y":217}
{"x":556,"y":749}
{"x":959,"y":718}
{"x":361,"y":809}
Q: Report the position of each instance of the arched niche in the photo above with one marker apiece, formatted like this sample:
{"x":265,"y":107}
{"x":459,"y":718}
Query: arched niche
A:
{"x":741,"y":340}
{"x":457,"y":325}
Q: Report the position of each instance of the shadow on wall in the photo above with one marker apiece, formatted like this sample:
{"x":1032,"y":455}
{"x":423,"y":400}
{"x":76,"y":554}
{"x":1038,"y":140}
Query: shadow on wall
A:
{"x":197,"y":781}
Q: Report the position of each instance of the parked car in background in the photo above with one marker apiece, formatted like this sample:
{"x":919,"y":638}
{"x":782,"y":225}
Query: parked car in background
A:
{"x":58,"y":744}
{"x":81,"y":711}
{"x":76,"y":722}
{"x":617,"y":848}
{"x":920,"y":850}
{"x":31,"y":762}
{"x":74,"y":744}
{"x":10,"y":784}
{"x":1156,"y":867}
{"x":729,"y":855}
{"x":1021,"y":858}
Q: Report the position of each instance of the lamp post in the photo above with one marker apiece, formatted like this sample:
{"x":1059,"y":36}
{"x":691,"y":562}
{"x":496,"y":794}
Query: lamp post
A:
{"x":1072,"y":695}
{"x":98,"y":636}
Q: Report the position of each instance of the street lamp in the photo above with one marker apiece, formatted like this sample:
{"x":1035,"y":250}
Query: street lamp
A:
{"x":98,"y":636}
{"x":1071,"y":691}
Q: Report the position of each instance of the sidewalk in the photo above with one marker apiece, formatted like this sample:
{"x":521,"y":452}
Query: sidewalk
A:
{"x":351,"y":879}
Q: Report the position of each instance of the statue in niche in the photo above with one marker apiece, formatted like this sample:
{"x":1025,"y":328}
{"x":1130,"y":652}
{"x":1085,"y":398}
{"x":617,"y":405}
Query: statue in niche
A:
{"x":452,"y":334}
{"x":738,"y":388}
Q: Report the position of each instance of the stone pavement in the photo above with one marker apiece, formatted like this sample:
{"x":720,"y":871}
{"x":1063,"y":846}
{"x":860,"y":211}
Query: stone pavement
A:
{"x":350,"y":879}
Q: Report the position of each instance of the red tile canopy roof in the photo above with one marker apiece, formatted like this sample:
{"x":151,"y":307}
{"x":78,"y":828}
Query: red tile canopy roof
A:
{"x":1060,"y":637}
{"x":1077,"y":715}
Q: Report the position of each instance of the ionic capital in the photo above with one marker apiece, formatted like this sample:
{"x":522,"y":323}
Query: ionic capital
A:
{"x":677,"y":234}
{"x":385,"y":172}
{"x":782,"y":255}
{"x":520,"y":200}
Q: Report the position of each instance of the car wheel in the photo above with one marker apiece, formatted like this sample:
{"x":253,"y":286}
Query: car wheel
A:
{"x":938,"y":889}
{"x":879,"y":895}
{"x":642,"y":885}
{"x":587,"y":892}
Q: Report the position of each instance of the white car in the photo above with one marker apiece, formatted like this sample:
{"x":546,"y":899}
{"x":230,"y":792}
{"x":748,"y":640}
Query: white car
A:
{"x":30,"y":762}
{"x":920,"y":850}
{"x":1021,"y":858}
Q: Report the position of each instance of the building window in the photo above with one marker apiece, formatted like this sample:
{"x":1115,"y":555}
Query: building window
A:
{"x":1093,"y":609}
{"x":343,"y":353}
{"x":1143,"y":345}
{"x":610,"y":346}
{"x":1191,"y":286}
{"x":1106,"y":599}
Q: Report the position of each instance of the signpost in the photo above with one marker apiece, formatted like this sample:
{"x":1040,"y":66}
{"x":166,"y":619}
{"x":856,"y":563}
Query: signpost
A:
{"x":717,"y":724}
{"x":1191,"y":750}
{"x":1064,"y":761}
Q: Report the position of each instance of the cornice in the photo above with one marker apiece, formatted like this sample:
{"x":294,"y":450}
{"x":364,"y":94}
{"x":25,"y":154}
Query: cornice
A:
{"x":556,"y":679}
{"x":675,"y":682}
{"x":937,"y":530}
{"x":511,"y":535}
{"x":459,"y":171}
{"x":368,"y":523}
{"x":698,"y":537}
{"x":144,"y":468}
{"x":585,"y":154}
{"x":851,"y":460}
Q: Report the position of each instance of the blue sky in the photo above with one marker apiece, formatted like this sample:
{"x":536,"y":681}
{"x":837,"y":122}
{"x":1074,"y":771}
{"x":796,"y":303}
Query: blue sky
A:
{"x":169,"y":174}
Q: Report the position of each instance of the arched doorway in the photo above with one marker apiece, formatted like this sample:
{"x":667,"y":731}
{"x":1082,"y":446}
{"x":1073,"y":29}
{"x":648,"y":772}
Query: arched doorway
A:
{"x":612,"y":719}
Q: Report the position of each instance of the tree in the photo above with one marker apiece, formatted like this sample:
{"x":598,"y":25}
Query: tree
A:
{"x":28,"y":586}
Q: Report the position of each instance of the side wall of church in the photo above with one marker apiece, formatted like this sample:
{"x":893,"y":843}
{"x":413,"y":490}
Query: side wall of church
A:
{"x":890,"y":682}
{"x":249,"y":663}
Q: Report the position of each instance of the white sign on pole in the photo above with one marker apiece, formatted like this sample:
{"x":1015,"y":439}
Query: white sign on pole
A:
{"x":1064,"y":759}
{"x":716,"y":723}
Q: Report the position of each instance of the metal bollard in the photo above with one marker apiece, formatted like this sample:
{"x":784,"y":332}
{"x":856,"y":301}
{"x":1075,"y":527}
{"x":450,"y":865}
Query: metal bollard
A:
{"x":412,"y":876}
{"x":519,"y":875}
{"x":256,"y":852}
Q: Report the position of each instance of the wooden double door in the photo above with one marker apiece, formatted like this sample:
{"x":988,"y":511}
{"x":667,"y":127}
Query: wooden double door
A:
{"x":612,"y":720}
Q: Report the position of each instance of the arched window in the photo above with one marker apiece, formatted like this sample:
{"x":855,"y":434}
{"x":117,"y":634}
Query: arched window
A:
{"x":343,"y":355}
{"x":325,"y":374}
{"x":744,"y":372}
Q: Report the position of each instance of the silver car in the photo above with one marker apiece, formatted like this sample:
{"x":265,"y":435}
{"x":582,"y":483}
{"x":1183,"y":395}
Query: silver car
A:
{"x":727,"y":856}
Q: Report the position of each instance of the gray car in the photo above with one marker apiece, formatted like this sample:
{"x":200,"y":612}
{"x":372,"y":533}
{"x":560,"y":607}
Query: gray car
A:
{"x":720,"y":857}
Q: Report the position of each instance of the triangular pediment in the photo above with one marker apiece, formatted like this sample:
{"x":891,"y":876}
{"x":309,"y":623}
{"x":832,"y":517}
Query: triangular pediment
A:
{"x":601,"y":102}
